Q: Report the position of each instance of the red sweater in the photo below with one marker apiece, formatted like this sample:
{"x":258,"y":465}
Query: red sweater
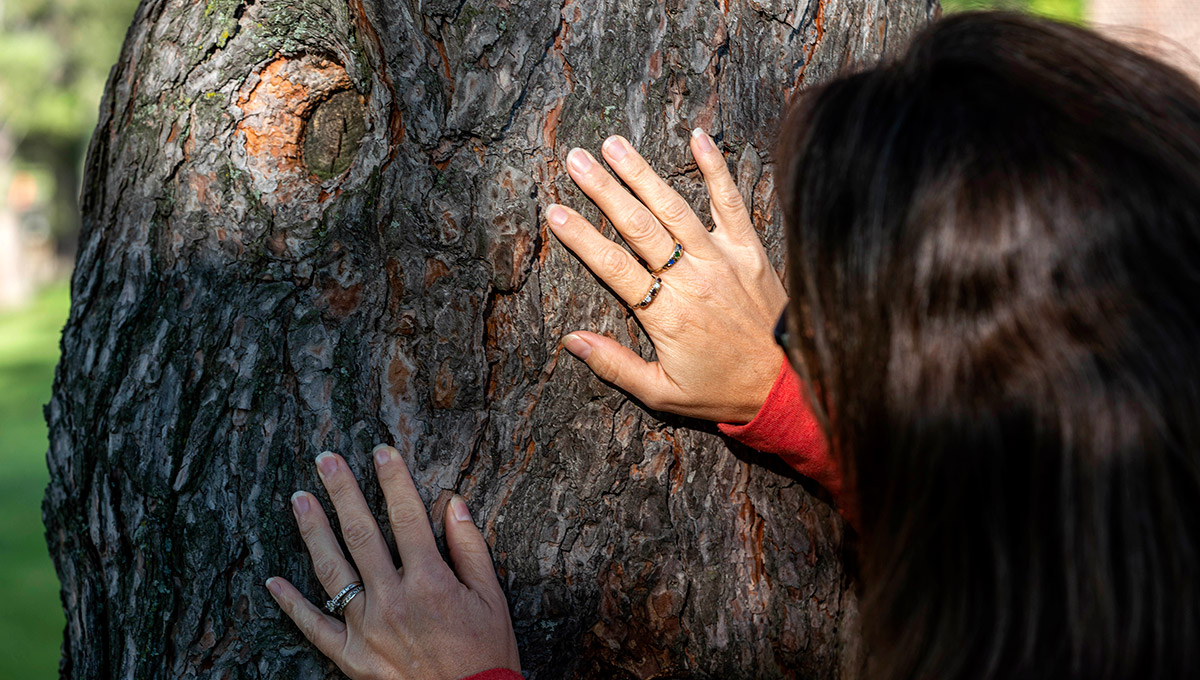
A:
{"x":786,"y":427}
{"x":497,"y":674}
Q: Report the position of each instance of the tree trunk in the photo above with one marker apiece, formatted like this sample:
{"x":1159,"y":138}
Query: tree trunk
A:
{"x":316,"y":225}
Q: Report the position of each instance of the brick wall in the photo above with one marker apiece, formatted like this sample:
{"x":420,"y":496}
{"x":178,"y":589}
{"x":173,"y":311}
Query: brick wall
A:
{"x":1148,"y":22}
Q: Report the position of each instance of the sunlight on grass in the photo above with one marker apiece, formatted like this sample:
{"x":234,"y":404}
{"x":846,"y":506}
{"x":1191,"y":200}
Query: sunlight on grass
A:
{"x":31,"y":622}
{"x":1063,"y":10}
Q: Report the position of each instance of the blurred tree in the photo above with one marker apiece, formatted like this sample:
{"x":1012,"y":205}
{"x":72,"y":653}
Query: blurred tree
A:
{"x":1065,"y":10}
{"x":55,"y":56}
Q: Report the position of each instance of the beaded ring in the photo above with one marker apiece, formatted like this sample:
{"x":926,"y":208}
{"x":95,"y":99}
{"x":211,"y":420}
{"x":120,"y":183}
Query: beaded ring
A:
{"x":650,"y":295}
{"x":676,"y":256}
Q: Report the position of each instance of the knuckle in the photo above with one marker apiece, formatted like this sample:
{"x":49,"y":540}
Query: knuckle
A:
{"x":598,"y":183}
{"x":731,"y":199}
{"x":640,"y":174}
{"x":358,"y":532}
{"x":327,"y":568}
{"x":614,"y":262}
{"x":675,"y":211}
{"x":612,"y":371}
{"x":640,"y":225}
{"x":405,"y":518}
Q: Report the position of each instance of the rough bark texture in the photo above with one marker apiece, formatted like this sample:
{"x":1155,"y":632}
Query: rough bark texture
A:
{"x":316,"y":225}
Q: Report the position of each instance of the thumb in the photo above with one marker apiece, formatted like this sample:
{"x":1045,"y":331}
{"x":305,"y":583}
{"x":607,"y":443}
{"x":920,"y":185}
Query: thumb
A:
{"x":615,"y":363}
{"x":468,"y":550}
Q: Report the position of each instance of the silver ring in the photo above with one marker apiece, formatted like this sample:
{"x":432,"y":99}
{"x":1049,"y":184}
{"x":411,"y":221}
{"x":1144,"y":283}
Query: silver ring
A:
{"x":337,"y":604}
{"x":346,"y":600}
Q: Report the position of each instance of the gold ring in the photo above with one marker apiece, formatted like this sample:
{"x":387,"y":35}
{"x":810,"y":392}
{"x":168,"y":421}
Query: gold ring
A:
{"x":676,"y":256}
{"x":650,"y":295}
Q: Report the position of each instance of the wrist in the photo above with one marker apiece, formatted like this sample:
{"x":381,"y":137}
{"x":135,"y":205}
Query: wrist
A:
{"x":757,"y":392}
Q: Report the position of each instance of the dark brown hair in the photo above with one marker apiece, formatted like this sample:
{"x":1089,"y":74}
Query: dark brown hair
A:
{"x":994,"y":260}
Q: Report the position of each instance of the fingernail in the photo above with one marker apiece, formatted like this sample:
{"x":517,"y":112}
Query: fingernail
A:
{"x":274,"y":587}
{"x":383,"y":454}
{"x":615,"y":147}
{"x":557,"y":215}
{"x":459,"y":507}
{"x":327,"y":463}
{"x":703,"y":142}
{"x":300,"y":502}
{"x":579,"y":160}
{"x":577,"y":346}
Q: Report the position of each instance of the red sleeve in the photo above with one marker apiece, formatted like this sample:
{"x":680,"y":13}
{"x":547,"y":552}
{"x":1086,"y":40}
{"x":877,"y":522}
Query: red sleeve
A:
{"x":497,"y":674}
{"x":785,"y":426}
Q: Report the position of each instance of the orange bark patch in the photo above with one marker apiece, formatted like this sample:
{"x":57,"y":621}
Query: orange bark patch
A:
{"x":446,"y":66}
{"x":276,"y":109}
{"x":751,"y":526}
{"x":449,"y":230}
{"x":395,"y":276}
{"x":444,"y":387}
{"x":655,"y":65}
{"x":550,"y":128}
{"x":397,"y":128}
{"x":200,"y":185}
{"x":397,"y":378}
{"x":434,"y":270}
{"x":340,"y":302}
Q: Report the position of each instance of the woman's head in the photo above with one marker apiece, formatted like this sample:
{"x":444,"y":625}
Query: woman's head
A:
{"x":994,"y":260}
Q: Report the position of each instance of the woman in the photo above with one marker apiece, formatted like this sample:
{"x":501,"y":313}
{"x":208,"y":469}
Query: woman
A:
{"x":995,"y":309}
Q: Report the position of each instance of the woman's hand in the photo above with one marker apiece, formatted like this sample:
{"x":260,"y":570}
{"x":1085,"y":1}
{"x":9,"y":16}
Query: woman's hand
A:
{"x":712,"y":320}
{"x":423,"y":621}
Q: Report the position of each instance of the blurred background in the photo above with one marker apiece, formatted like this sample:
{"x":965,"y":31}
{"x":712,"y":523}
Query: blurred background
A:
{"x":55,"y":56}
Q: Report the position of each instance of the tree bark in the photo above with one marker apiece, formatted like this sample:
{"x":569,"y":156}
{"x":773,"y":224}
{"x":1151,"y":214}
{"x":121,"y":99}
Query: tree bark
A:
{"x":315,"y":225}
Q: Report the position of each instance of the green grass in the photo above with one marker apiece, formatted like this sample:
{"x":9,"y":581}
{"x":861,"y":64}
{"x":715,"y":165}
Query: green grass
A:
{"x":31,"y":620}
{"x":1064,"y":10}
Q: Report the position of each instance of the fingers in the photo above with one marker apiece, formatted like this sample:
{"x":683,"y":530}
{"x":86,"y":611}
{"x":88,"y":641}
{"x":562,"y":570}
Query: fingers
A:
{"x":359,"y":529}
{"x":728,"y":209}
{"x":636,"y":224}
{"x":472,"y":562}
{"x":328,"y":634}
{"x":406,"y":512}
{"x":615,"y":363}
{"x":330,"y":564}
{"x":667,"y":205}
{"x":606,"y":259}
